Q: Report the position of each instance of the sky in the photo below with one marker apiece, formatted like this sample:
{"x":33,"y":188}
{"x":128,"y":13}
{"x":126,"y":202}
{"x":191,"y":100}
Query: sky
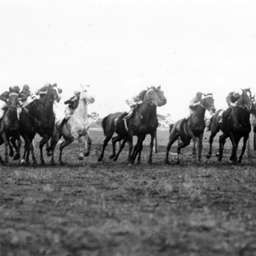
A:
{"x":121,"y":47}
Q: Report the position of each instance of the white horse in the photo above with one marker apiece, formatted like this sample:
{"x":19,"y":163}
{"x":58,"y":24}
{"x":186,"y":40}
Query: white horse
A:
{"x":76,"y":127}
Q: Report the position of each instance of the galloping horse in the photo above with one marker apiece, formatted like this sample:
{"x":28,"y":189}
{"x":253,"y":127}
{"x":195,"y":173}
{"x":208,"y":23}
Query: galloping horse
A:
{"x":142,"y":122}
{"x":191,"y":128}
{"x":236,"y":125}
{"x":77,"y":126}
{"x":10,"y":127}
{"x":108,"y":126}
{"x":38,"y":117}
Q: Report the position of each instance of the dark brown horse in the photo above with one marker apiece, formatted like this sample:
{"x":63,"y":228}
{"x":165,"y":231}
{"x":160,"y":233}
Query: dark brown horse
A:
{"x":142,"y":122}
{"x":109,"y":126}
{"x":235,"y":125}
{"x":10,"y":129}
{"x":191,"y":128}
{"x":38,"y":117}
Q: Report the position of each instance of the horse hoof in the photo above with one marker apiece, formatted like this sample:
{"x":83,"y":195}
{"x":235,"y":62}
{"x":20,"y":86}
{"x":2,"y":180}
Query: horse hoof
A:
{"x":167,"y":162}
{"x":22,"y":162}
{"x":11,"y":154}
{"x":86,"y":154}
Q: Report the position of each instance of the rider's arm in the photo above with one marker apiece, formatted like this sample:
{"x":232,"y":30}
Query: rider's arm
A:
{"x":4,"y":96}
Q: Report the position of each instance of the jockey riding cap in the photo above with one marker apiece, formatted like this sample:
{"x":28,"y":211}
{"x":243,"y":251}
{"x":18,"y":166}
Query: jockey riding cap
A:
{"x":15,"y":89}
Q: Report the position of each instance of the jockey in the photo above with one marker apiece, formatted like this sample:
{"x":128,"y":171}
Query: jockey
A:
{"x":134,"y":103}
{"x":72,"y":104}
{"x":194,"y":103}
{"x":25,"y":93}
{"x":5,"y":96}
{"x":231,"y":99}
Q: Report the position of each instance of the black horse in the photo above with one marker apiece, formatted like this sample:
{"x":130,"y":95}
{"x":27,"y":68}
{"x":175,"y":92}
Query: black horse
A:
{"x":109,"y":126}
{"x":191,"y":128}
{"x":142,"y":122}
{"x":10,"y":128}
{"x":235,"y":125}
{"x":38,"y":117}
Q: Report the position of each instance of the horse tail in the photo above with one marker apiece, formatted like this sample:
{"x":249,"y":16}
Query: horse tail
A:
{"x":103,"y":124}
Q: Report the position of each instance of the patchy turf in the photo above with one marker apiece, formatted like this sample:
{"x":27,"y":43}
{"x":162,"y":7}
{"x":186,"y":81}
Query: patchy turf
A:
{"x":91,"y":208}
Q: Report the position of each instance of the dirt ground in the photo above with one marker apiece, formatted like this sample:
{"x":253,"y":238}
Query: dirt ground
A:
{"x":112,"y":208}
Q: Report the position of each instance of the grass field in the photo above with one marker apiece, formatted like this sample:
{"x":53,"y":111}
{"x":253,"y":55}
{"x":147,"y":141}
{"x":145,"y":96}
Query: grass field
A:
{"x":112,"y":208}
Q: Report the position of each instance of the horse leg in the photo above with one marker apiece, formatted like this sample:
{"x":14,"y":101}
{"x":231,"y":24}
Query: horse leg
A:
{"x":105,"y":143}
{"x":88,"y":144}
{"x":140,"y":149}
{"x":222,"y":141}
{"x":41,"y":145}
{"x":172,"y":138}
{"x":114,"y":141}
{"x":65,"y":143}
{"x":212,"y":135}
{"x":16,"y":147}
{"x":11,"y":146}
{"x":199,"y":147}
{"x":51,"y":149}
{"x":153,"y":136}
{"x":243,"y":148}
{"x":6,"y":145}
{"x":183,"y":143}
{"x":130,"y":141}
{"x":234,"y":141}
{"x":120,"y":148}
{"x":156,"y":144}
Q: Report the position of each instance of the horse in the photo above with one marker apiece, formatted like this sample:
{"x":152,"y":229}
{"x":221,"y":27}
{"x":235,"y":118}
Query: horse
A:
{"x":77,"y":126}
{"x":108,"y":125}
{"x":191,"y":128}
{"x":236,"y":125}
{"x":10,"y":128}
{"x":38,"y":118}
{"x":142,"y":122}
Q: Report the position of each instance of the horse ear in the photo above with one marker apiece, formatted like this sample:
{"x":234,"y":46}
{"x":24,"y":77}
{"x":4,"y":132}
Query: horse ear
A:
{"x":159,"y":86}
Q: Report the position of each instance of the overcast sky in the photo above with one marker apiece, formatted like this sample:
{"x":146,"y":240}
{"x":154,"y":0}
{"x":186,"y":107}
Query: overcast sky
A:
{"x":121,"y":47}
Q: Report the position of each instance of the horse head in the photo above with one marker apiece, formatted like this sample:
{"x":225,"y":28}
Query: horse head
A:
{"x":245,"y":99}
{"x":13,"y":101}
{"x":56,"y":92}
{"x":155,"y":96}
{"x":207,"y":102}
{"x":85,"y":95}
